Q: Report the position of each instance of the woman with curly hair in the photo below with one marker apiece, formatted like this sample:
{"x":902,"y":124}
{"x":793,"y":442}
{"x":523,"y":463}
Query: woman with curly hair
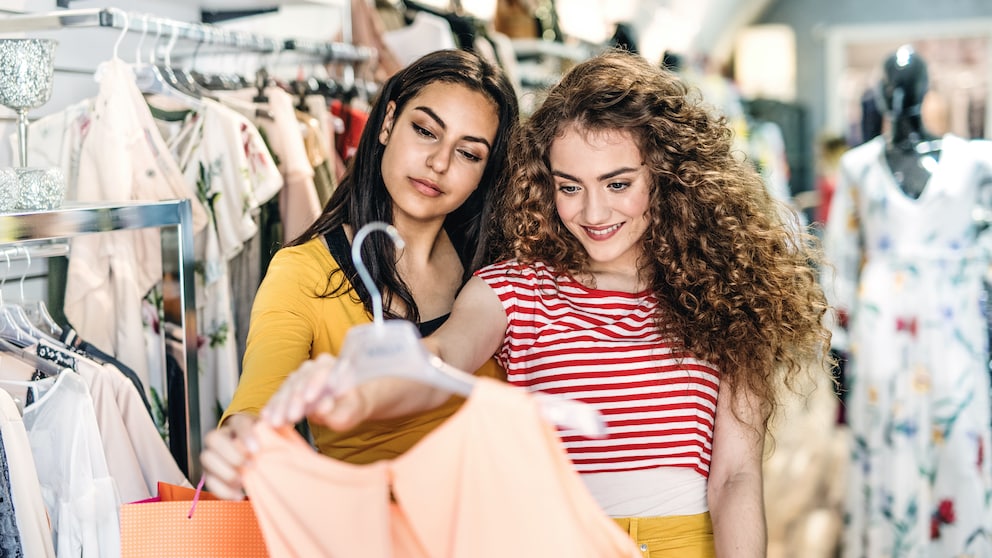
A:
{"x":649,"y":274}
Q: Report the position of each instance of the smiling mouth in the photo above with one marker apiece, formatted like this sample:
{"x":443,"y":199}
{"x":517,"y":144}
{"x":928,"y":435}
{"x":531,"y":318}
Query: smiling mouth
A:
{"x":602,"y":232}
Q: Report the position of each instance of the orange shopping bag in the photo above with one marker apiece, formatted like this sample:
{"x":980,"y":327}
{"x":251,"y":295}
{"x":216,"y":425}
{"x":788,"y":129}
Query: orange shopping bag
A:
{"x":178,"y":523}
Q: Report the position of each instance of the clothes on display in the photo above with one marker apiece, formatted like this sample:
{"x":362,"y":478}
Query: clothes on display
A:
{"x":908,"y":274}
{"x":472,"y":487}
{"x":94,"y":411}
{"x":30,"y":519}
{"x":211,"y":153}
{"x":93,"y":442}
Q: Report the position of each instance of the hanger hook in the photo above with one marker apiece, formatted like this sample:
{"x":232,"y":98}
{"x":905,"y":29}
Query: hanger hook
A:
{"x":3,"y":280}
{"x":124,"y":30}
{"x":363,"y":272}
{"x":141,"y":40}
{"x":27,"y":257}
{"x":170,"y":45}
{"x":153,"y":59}
{"x":202,"y":38}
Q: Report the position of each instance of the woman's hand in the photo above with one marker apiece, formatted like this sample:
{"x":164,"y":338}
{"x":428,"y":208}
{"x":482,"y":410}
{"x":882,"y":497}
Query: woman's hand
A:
{"x":307,"y":392}
{"x":225,"y":450}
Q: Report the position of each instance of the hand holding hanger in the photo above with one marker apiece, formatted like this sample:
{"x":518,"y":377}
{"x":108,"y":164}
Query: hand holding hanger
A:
{"x":325,"y":387}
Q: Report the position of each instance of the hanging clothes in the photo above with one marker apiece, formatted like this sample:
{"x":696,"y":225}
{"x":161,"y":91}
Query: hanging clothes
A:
{"x":351,"y":122}
{"x":475,"y":486}
{"x":427,"y":33}
{"x":299,"y":205}
{"x":110,"y":151}
{"x":79,"y":493}
{"x":908,"y":273}
{"x":367,"y":30}
{"x":136,"y":455}
{"x":224,"y":158}
{"x":326,"y":175}
{"x":33,"y":528}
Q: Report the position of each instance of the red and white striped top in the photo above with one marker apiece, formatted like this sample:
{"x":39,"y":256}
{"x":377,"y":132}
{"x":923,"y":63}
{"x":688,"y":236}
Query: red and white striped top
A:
{"x":604,"y":348}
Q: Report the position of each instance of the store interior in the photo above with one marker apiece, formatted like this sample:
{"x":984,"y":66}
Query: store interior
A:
{"x":799,"y":81}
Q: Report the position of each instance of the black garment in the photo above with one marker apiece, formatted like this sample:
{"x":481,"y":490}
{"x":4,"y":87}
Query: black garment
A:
{"x":175,"y":379}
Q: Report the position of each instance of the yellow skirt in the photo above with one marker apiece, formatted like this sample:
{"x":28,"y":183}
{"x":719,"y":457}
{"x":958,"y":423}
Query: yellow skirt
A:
{"x":681,"y":536}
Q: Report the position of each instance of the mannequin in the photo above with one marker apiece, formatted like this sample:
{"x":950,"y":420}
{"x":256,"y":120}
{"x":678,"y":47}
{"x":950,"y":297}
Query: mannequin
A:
{"x":911,"y":151}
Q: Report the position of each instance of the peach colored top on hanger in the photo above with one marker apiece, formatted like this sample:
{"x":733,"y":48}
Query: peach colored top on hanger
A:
{"x":492,"y":481}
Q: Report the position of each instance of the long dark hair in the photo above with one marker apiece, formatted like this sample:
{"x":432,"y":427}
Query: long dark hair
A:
{"x":361,"y":197}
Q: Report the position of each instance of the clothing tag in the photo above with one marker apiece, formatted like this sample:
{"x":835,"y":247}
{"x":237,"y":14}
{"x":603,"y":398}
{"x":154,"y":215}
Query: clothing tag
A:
{"x":59,"y":357}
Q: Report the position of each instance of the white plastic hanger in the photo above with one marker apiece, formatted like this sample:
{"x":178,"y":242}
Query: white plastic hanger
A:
{"x":40,"y":321}
{"x":17,"y":309}
{"x":11,"y":320}
{"x":393,"y":348}
{"x":150,"y":79}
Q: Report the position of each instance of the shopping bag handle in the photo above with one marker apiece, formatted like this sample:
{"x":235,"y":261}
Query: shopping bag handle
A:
{"x":196,"y":496}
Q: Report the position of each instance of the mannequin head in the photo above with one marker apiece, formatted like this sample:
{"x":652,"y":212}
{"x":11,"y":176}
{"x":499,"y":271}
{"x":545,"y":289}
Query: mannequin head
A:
{"x":904,"y":83}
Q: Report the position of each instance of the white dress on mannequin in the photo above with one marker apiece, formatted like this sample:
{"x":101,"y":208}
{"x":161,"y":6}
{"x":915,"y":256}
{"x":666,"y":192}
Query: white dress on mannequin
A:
{"x":909,"y":273}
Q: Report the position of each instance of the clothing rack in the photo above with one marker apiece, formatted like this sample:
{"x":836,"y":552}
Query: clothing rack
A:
{"x":37,"y":251}
{"x":117,"y":18}
{"x":173,"y":218}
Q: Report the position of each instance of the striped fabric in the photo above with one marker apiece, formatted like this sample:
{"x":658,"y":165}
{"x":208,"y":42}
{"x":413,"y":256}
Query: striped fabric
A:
{"x":604,"y":348}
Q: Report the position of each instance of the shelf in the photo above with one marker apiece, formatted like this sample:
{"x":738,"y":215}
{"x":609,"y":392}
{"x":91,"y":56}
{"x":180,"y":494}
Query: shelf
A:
{"x":74,"y":219}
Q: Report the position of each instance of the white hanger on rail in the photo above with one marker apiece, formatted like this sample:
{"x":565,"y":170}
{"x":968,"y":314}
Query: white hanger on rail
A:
{"x":155,"y":79}
{"x":36,"y":311}
{"x":14,"y":325}
{"x":393,"y":348}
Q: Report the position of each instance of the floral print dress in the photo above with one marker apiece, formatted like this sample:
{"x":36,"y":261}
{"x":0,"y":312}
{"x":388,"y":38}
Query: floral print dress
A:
{"x":227,"y":164}
{"x":907,"y":276}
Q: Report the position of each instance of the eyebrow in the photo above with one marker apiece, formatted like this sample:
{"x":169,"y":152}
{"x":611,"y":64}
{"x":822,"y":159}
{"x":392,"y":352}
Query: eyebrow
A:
{"x":599,"y":178}
{"x":437,"y":119}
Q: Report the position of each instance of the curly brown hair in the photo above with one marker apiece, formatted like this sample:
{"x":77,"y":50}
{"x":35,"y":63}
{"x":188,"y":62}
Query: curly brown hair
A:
{"x":736,"y":281}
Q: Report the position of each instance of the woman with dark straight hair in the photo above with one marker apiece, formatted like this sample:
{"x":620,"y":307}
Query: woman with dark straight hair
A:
{"x":430,"y":161}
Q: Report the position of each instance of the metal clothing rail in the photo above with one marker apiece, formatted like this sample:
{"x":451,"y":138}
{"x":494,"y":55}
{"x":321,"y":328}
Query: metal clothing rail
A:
{"x":37,"y":251}
{"x":199,"y":32}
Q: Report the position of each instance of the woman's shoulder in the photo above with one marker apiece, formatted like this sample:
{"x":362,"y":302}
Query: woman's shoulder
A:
{"x":504,"y":266}
{"x":311,"y":255}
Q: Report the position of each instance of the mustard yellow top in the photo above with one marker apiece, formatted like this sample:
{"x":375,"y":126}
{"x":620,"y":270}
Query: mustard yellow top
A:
{"x":291,"y":323}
